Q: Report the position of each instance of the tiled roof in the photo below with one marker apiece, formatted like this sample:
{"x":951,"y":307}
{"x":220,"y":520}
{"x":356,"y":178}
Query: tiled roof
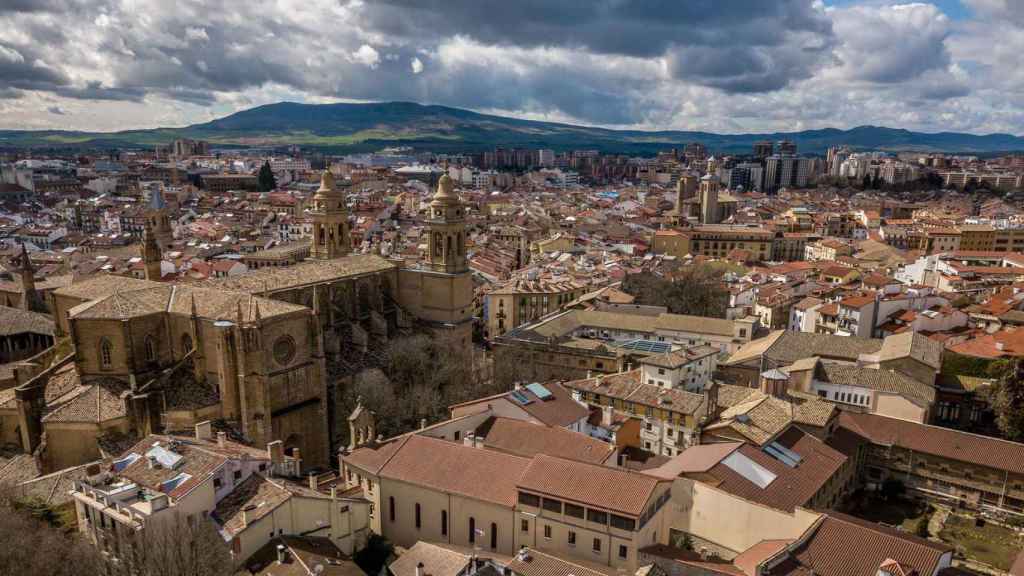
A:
{"x":881,"y":379}
{"x":604,"y":487}
{"x":103,"y":285}
{"x":198,"y":463}
{"x":828,"y":551}
{"x":695,"y":459}
{"x":913,"y":345}
{"x":436,"y":561}
{"x":792,"y":487}
{"x":938,"y":441}
{"x":785,"y":347}
{"x":536,"y":563}
{"x":302,"y":274}
{"x":257,"y":496}
{"x":527,"y":439}
{"x":483,"y":474}
{"x":210,"y":304}
{"x":628,"y":387}
{"x":16,"y":321}
{"x":759,"y":417}
{"x":96,"y":402}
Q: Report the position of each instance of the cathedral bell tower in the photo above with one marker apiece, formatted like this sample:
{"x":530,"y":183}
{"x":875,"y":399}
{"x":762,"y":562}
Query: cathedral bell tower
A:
{"x":330,"y":221}
{"x":447,"y":224}
{"x":151,"y":255}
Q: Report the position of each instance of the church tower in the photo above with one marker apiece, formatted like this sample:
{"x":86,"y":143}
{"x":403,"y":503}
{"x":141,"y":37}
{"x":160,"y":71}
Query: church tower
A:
{"x":330,"y":221}
{"x":27,"y":274}
{"x":151,"y":255}
{"x":447,"y":224}
{"x":159,"y":219}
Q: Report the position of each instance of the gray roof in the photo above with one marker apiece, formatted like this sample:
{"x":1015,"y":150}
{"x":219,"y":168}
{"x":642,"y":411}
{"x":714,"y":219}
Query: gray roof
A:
{"x":784,"y":348}
{"x":883,"y":380}
{"x":913,"y":345}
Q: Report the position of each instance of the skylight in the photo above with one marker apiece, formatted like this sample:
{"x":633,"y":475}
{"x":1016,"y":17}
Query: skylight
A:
{"x":740,"y":464}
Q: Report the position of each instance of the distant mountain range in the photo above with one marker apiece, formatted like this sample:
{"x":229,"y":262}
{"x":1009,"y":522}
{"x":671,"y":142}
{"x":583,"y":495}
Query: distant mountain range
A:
{"x":366,"y":127}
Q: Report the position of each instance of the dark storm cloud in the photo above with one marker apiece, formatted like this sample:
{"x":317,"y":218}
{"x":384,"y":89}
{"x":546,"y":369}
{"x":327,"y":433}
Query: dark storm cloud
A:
{"x":741,"y":46}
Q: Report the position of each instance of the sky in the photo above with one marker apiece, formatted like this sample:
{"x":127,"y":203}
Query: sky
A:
{"x":728,"y":66}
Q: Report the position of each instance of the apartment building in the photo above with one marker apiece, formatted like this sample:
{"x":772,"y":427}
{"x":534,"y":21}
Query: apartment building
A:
{"x":246,"y":492}
{"x":520,"y":301}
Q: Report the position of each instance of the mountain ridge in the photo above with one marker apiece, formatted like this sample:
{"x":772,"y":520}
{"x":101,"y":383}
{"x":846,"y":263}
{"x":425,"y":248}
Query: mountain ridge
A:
{"x":356,"y":127}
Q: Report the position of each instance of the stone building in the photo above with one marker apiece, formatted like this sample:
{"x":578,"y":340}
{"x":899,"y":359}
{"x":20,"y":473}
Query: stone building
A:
{"x":251,"y":349}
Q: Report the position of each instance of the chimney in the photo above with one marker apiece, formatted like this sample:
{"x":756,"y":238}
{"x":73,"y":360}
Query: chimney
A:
{"x":703,"y":553}
{"x":467,"y":440}
{"x":419,"y":569}
{"x":275,"y":450}
{"x":590,"y":374}
{"x":282,"y":554}
{"x":334,"y":491}
{"x":1001,"y":346}
{"x":478,"y":441}
{"x":204,"y":430}
{"x":297,"y":456}
{"x":222,"y":439}
{"x":423,"y":423}
{"x":607,"y":412}
{"x":313,"y":482}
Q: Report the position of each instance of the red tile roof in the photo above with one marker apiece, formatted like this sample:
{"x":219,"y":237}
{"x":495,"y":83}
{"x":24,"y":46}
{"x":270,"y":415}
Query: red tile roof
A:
{"x":612,"y":489}
{"x":938,"y":441}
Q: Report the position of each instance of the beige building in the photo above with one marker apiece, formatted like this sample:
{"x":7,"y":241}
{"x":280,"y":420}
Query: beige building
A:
{"x":520,"y":301}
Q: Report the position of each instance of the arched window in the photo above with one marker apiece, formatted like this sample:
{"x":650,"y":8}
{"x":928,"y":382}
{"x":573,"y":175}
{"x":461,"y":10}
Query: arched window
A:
{"x":472,"y":530}
{"x":150,"y":349}
{"x":106,"y":353}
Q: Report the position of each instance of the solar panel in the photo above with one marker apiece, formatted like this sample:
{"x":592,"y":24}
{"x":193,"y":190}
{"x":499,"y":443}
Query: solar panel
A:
{"x":519,"y":397}
{"x":740,"y":464}
{"x":539,"y":391}
{"x":646,"y":346}
{"x":173,"y":483}
{"x":780,"y":456}
{"x":125,"y":462}
{"x":787,"y":452}
{"x":166,"y":458}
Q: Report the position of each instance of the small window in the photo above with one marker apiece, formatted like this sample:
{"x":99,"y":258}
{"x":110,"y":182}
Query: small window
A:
{"x":150,"y":349}
{"x":623,"y":551}
{"x":597,"y":544}
{"x":547,"y":531}
{"x":106,"y":353}
{"x":494,"y":536}
{"x":472,"y":530}
{"x":238,"y":475}
{"x":444,"y":522}
{"x":524,"y":525}
{"x":574,"y":510}
{"x":553,"y":505}
{"x":529,"y":500}
{"x":391,"y":509}
{"x":572,"y":538}
{"x":597,"y":516}
{"x":417,"y":515}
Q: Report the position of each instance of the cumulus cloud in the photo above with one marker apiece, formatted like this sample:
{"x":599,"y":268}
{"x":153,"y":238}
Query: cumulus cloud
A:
{"x":741,"y":65}
{"x":367,"y":56}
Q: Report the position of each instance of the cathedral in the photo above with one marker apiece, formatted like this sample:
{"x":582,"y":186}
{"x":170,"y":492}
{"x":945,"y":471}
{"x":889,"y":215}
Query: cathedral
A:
{"x":251,"y":350}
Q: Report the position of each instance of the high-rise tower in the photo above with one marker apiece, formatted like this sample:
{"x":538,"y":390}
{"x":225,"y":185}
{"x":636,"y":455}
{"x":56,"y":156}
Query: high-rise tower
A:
{"x":330,"y":221}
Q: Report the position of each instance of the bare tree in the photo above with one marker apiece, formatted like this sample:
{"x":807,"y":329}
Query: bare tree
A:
{"x":177,"y":547}
{"x":33,"y":545}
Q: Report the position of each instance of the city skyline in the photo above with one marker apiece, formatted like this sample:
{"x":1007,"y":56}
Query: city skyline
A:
{"x":727,"y":67}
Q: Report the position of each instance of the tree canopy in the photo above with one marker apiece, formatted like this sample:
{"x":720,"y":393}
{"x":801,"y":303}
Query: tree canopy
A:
{"x":696,"y":290}
{"x":266,"y":180}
